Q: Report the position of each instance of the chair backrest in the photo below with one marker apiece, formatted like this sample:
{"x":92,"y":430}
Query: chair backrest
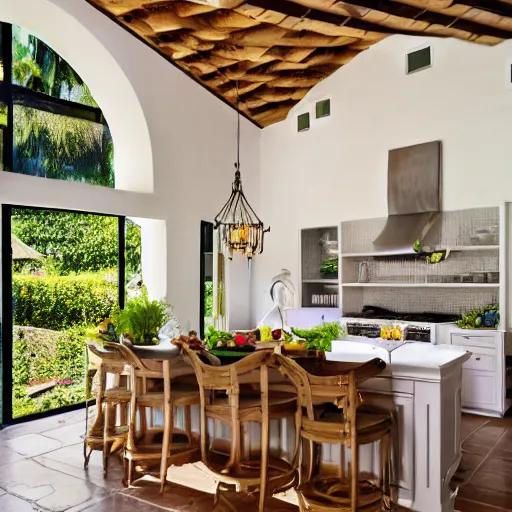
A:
{"x":225,"y":378}
{"x":111,"y":360}
{"x":338,"y":381}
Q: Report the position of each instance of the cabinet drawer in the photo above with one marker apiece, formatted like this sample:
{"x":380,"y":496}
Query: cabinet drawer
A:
{"x":466,"y":340}
{"x":482,"y":362}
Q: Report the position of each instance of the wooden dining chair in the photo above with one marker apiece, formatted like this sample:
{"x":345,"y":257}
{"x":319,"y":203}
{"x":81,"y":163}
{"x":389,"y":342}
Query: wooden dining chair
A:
{"x":223,"y":399}
{"x":340,"y":417}
{"x":109,"y":431}
{"x":151,"y":449}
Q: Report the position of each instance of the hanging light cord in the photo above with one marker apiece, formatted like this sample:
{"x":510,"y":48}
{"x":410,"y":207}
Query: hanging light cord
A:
{"x":237,"y":130}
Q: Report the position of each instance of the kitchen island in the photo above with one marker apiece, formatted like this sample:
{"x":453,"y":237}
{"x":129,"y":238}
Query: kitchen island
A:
{"x":422,"y":384}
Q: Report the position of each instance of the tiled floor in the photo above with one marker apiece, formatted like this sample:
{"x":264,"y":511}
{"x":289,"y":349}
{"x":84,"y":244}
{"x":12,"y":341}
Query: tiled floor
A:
{"x":485,"y":473}
{"x":41,"y":469}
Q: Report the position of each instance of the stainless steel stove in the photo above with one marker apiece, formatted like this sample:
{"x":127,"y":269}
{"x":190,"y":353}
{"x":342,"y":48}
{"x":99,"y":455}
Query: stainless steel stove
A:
{"x":388,"y":329}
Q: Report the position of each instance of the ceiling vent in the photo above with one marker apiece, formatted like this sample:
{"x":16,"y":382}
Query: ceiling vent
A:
{"x":418,"y":60}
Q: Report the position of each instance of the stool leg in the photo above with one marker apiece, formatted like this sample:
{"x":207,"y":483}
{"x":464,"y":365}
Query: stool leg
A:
{"x":168,"y":424}
{"x":265,"y":425}
{"x":88,"y":452}
{"x":105,"y":438}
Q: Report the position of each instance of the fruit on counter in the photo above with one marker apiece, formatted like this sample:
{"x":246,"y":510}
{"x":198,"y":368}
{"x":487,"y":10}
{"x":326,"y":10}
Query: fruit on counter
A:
{"x":294,"y":346}
{"x":276,"y":334}
{"x":231,"y":344}
{"x":240,"y":339}
{"x":417,"y":246}
{"x":221,"y":344}
{"x":266,"y":333}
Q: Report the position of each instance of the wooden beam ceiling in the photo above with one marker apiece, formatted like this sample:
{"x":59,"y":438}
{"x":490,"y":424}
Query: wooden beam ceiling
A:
{"x":277,"y":50}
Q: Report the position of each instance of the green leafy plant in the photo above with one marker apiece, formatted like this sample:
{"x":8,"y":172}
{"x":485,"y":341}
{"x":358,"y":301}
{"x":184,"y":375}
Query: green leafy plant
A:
{"x":329,"y":267}
{"x":142,"y":318}
{"x":321,"y":336}
{"x":213,"y":336}
{"x":487,"y":317}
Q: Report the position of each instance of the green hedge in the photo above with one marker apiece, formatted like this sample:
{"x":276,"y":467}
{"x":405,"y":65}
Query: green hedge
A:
{"x":60,"y":302}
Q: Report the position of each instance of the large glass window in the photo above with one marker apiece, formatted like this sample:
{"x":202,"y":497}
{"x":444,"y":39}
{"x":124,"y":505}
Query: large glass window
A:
{"x":61,"y":147}
{"x":38,"y":67}
{"x":55,"y":128}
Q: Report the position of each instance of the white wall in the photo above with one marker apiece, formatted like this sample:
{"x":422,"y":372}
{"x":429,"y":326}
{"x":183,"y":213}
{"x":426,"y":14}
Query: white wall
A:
{"x":337,"y":170}
{"x":174,"y":141}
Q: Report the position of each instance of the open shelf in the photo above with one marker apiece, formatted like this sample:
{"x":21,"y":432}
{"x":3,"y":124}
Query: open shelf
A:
{"x":320,"y":281}
{"x":420,"y":285}
{"x":381,"y":254}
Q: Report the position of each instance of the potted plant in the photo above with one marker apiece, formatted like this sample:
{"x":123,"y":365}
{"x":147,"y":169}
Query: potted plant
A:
{"x":329,"y":269}
{"x":141,"y":319}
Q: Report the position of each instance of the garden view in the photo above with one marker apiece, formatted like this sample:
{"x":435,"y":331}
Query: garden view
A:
{"x":60,"y":298}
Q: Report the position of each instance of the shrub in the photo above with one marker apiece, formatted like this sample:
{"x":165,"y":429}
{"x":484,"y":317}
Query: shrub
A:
{"x":42,"y":356}
{"x":76,"y":242}
{"x":57,"y":303}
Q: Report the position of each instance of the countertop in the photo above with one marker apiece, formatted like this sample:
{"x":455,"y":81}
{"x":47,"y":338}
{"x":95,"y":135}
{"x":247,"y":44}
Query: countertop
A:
{"x":424,"y":361}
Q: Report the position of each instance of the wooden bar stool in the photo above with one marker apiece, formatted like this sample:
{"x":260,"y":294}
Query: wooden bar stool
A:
{"x":109,"y":431}
{"x":222,"y":400}
{"x":153,"y":449}
{"x":349,"y":424}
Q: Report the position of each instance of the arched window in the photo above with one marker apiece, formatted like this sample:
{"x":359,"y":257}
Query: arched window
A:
{"x":50,"y":124}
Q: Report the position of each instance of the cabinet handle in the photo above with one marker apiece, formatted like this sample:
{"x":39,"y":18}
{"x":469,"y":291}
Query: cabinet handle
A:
{"x":478,"y":359}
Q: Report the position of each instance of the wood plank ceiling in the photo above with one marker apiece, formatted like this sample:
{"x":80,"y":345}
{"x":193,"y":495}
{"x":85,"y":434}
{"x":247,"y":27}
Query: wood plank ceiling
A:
{"x":275,"y":51}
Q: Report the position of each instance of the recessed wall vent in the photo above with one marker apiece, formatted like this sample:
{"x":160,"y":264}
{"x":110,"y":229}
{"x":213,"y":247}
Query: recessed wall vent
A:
{"x":418,"y":60}
{"x":323,"y":108}
{"x":303,"y":122}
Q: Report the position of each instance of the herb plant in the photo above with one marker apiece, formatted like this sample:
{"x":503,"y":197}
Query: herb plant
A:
{"x":321,"y":336}
{"x":142,"y":318}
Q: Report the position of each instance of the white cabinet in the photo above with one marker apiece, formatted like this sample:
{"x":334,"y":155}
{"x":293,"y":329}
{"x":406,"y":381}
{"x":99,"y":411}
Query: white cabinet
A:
{"x":483,"y":375}
{"x":478,"y":390}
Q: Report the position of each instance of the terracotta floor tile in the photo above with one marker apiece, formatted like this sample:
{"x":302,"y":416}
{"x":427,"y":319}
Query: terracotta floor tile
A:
{"x":487,"y":435}
{"x":471,"y":423}
{"x":467,"y":466}
{"x":464,"y":505}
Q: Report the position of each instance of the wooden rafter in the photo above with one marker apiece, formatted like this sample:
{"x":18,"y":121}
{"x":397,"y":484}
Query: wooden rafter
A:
{"x":276,"y":50}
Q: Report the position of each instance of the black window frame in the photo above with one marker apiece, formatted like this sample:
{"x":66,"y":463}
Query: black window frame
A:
{"x":6,"y":358}
{"x":12,"y":94}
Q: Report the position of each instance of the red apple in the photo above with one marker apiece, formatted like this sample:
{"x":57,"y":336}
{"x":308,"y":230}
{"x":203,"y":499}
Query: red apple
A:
{"x":240,"y":339}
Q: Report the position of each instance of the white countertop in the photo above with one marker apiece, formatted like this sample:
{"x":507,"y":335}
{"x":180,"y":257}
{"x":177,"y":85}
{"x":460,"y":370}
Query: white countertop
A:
{"x":411,"y":360}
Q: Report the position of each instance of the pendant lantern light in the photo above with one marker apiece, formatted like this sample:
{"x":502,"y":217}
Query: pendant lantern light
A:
{"x":241,"y":230}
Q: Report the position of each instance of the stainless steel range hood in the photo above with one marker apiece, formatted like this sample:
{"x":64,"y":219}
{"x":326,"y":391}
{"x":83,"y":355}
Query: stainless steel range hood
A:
{"x":414,"y":197}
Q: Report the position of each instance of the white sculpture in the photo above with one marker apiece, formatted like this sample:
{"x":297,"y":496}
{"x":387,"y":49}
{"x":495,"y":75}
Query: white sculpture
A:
{"x":282,"y":293}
